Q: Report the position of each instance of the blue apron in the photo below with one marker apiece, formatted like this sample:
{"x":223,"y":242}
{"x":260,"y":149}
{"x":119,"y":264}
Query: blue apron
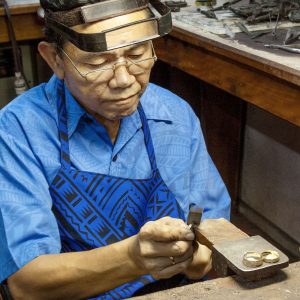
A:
{"x":94,"y":210}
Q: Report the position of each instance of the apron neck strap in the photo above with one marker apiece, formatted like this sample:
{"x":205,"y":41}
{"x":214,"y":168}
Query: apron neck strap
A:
{"x":147,"y":137}
{"x":64,"y":137}
{"x":63,"y":127}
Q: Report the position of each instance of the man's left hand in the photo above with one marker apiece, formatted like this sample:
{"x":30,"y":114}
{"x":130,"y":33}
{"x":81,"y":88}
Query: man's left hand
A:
{"x":201,"y":264}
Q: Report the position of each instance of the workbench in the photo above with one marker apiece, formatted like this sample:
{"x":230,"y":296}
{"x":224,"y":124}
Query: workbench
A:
{"x":25,"y":22}
{"x":268,"y":81}
{"x":261,"y":80}
{"x":284,"y":285}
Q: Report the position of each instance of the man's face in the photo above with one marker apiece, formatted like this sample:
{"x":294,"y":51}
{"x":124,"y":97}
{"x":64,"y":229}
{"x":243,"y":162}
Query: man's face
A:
{"x":107,"y":94}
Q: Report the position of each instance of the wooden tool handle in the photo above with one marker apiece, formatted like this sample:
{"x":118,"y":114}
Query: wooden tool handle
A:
{"x":212,"y":231}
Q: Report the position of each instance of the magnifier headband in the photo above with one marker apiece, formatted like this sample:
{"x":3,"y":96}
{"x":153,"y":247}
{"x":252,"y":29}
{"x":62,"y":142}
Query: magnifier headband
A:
{"x":157,"y":23}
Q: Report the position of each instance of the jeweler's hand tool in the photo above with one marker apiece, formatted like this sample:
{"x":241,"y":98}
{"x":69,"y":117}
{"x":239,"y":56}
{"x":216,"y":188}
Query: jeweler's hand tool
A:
{"x":194,"y":219}
{"x":293,"y":48}
{"x":274,"y":31}
{"x":194,"y":216}
{"x":252,"y":35}
{"x":292,"y":36}
{"x":230,"y":249}
{"x":172,"y":3}
{"x":176,"y":5}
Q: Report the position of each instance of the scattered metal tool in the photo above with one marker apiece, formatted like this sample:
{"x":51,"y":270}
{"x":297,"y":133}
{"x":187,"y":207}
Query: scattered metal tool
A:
{"x":176,"y":5}
{"x":201,"y":4}
{"x":252,"y":35}
{"x":209,"y":12}
{"x":228,"y":30}
{"x":274,"y":31}
{"x":293,"y":48}
{"x":292,"y":36}
{"x":264,"y":10}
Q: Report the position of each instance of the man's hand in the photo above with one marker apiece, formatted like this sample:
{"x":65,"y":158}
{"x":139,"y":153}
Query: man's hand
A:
{"x":201,"y":264}
{"x":158,"y":243}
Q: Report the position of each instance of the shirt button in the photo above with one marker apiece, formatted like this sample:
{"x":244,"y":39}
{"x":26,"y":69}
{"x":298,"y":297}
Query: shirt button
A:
{"x":115,"y":158}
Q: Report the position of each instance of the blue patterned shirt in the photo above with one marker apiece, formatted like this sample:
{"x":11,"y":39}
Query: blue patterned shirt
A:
{"x":30,"y":159}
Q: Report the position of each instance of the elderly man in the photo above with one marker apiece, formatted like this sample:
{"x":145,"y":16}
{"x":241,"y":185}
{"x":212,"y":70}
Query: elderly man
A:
{"x":98,"y":167}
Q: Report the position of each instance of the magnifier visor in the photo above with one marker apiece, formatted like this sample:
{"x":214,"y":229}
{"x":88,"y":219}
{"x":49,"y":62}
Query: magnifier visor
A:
{"x":155,"y":22}
{"x":132,"y":34}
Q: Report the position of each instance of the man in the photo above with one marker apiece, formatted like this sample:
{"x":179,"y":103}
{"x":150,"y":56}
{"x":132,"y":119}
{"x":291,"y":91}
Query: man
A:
{"x":98,"y":168}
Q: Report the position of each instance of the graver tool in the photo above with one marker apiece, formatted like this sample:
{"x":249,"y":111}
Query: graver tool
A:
{"x":194,"y":216}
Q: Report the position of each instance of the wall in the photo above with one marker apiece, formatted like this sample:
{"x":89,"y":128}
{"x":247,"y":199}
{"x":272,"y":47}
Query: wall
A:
{"x":7,"y":92}
{"x":270,"y":186}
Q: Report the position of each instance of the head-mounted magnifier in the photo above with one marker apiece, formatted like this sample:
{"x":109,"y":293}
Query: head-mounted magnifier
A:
{"x":156,"y":18}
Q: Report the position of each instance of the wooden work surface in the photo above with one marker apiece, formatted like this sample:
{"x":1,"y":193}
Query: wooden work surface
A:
{"x":268,"y":81}
{"x":284,"y":285}
{"x":25,"y":22}
{"x":268,"y":84}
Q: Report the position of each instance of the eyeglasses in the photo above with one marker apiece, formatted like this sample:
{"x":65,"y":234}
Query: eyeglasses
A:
{"x":134,"y":67}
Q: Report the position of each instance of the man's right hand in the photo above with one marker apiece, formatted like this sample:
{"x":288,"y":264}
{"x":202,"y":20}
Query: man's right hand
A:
{"x":82,"y":275}
{"x":163,"y":248}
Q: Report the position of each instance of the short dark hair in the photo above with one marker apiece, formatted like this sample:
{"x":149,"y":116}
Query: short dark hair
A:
{"x":54,"y":38}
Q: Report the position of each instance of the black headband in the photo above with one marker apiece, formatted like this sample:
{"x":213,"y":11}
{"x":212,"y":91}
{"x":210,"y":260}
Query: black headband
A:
{"x":60,"y":22}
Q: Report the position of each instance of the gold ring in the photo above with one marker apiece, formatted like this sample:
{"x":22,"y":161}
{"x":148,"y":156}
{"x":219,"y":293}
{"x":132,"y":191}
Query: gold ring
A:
{"x":270,"y":256}
{"x":172,"y":260}
{"x":252,"y":259}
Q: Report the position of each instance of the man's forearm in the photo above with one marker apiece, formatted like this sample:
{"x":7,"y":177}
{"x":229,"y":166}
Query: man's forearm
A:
{"x":75,"y":275}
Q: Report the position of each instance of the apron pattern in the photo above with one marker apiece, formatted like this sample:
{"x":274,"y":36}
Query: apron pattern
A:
{"x":94,"y":210}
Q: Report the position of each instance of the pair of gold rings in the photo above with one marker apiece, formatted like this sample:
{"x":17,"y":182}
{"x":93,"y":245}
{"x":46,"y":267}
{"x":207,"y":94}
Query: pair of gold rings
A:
{"x":254,"y":259}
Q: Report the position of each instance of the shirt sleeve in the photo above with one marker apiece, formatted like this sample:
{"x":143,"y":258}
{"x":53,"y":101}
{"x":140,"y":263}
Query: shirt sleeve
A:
{"x":28,"y":227}
{"x":207,"y":188}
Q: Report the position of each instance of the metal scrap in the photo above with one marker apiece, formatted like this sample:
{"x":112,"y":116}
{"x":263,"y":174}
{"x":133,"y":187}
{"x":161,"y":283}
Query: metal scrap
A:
{"x":293,"y":48}
{"x":176,"y":5}
{"x":292,"y":36}
{"x":264,"y":10}
{"x":252,"y":35}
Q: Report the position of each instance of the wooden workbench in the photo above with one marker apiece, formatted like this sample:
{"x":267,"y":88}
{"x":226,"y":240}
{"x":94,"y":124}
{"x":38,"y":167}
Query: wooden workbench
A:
{"x":268,"y":84}
{"x":284,"y":285}
{"x":25,"y":23}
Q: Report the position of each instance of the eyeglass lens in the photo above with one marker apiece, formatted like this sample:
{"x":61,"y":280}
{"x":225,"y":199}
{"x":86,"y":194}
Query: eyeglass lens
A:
{"x":133,"y":68}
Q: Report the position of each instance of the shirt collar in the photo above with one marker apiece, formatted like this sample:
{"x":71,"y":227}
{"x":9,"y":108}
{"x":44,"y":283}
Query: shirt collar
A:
{"x":150,"y":102}
{"x":154,"y":102}
{"x":132,"y":123}
{"x":74,"y":112}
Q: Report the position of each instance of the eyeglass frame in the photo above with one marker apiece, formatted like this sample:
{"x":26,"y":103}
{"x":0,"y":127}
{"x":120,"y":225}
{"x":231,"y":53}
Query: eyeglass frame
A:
{"x":113,"y":67}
